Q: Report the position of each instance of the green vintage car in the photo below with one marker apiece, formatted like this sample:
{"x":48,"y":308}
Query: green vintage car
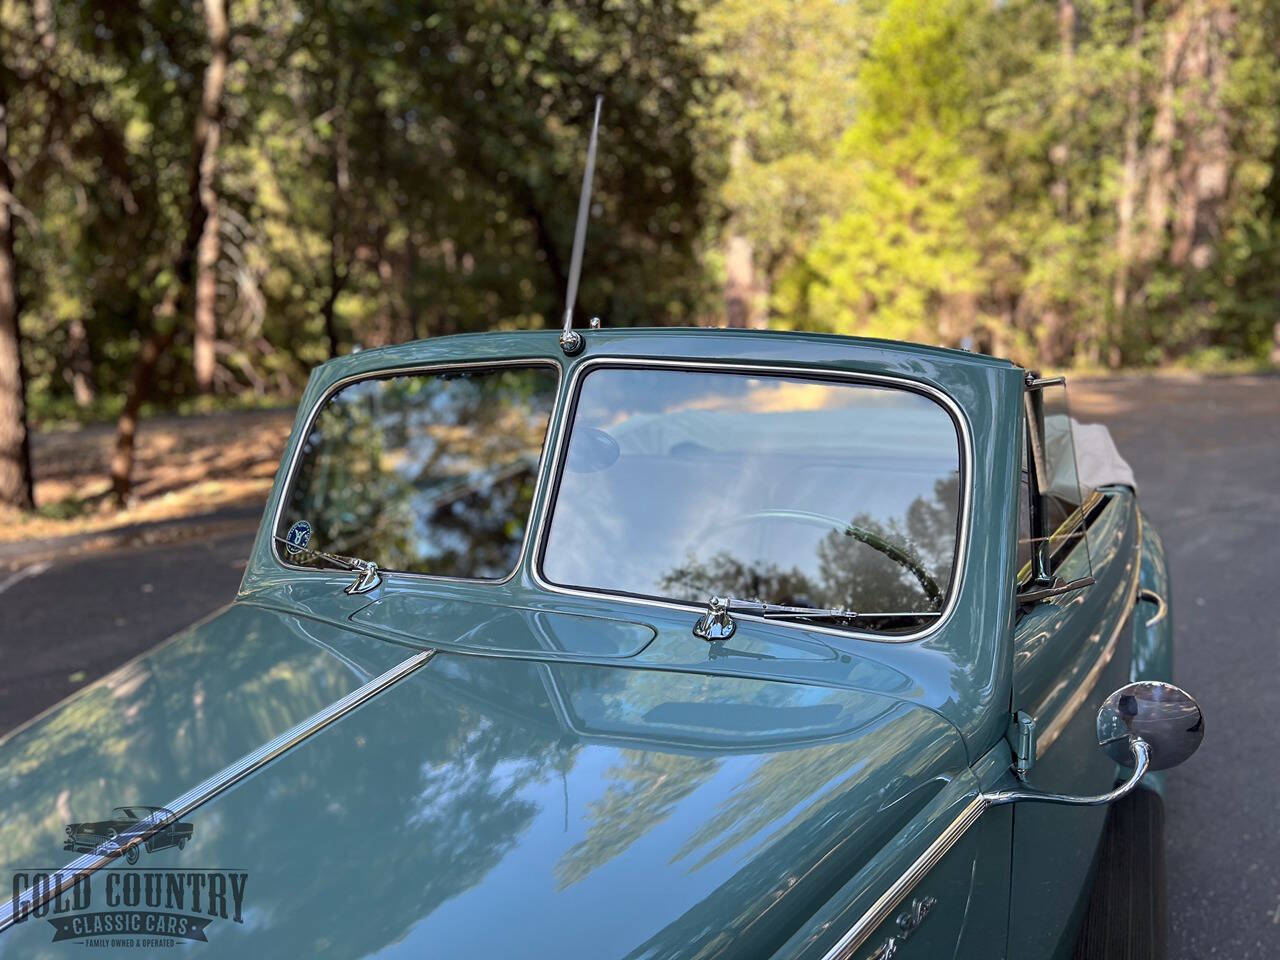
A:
{"x":652,"y":643}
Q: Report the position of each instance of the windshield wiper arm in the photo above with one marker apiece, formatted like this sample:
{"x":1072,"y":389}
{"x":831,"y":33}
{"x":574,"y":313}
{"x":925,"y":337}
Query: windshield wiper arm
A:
{"x":717,"y":624}
{"x":367,"y":575}
{"x":762,"y":609}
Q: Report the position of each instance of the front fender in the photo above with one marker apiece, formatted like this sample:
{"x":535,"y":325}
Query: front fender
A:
{"x":1152,"y":657}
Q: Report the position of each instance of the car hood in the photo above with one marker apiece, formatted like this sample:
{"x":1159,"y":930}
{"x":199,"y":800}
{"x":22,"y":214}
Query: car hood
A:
{"x":480,"y":805}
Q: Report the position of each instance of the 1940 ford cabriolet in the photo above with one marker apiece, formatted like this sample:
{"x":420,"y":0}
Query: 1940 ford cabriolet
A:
{"x":663,"y":643}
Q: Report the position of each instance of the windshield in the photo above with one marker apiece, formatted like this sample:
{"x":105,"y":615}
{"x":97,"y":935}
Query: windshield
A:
{"x":683,"y":484}
{"x":429,"y":473}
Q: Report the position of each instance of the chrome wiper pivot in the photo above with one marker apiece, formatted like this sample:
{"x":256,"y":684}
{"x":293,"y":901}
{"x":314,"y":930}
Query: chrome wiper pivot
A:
{"x":367,"y":574}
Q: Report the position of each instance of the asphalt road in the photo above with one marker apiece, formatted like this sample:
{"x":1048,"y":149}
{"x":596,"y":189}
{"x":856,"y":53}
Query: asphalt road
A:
{"x":1207,"y":458}
{"x":68,"y":622}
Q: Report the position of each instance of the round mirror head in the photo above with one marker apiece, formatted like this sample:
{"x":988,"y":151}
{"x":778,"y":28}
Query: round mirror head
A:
{"x":1166,"y":717}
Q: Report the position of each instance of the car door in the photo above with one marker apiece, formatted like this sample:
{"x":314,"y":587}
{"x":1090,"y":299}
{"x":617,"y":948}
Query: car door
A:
{"x":1070,"y":651}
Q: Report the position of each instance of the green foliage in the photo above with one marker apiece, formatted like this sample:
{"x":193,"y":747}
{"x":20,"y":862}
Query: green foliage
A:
{"x":408,"y":171}
{"x":946,"y":170}
{"x":1059,"y":182}
{"x":906,"y":247}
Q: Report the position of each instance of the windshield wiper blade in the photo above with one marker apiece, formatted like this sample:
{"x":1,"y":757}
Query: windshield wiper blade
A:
{"x":762,"y":609}
{"x":367,"y":575}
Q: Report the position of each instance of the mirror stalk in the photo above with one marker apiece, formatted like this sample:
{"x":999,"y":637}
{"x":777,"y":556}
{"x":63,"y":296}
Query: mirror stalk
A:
{"x":1141,"y":763}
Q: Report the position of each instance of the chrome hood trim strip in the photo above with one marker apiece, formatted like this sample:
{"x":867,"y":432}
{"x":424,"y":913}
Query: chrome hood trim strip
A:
{"x":223,"y":780}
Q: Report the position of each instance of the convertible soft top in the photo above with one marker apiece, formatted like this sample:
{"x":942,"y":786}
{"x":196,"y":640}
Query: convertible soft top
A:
{"x":1098,"y":461}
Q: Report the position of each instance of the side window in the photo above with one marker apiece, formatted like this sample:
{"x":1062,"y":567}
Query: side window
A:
{"x":1056,"y":547}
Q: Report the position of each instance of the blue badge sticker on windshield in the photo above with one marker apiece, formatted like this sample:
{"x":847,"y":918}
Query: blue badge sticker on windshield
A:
{"x":297,"y":538}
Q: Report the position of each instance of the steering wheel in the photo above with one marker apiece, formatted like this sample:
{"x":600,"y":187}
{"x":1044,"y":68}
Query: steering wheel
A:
{"x":898,"y":554}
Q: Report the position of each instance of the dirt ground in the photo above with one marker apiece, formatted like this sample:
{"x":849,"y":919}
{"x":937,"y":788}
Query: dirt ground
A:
{"x":186,"y":466}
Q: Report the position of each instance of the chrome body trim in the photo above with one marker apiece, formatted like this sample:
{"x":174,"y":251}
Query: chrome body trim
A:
{"x":291,"y":467}
{"x":883,"y":908}
{"x":1162,"y":608}
{"x":202,"y":793}
{"x":958,"y":416}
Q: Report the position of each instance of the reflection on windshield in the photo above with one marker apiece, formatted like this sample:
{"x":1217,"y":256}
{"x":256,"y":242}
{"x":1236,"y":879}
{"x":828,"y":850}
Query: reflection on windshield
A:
{"x":684,"y":484}
{"x":424,"y":473}
{"x":846,"y":567}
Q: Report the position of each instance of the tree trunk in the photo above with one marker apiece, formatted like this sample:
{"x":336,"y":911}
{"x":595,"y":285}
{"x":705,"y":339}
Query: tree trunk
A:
{"x":80,"y":363}
{"x":1060,"y":152}
{"x":144,"y":369}
{"x":744,"y":293}
{"x":16,"y":489}
{"x":1127,"y":201}
{"x":208,"y":249}
{"x":340,"y":182}
{"x":165,"y":325}
{"x":1204,"y":175}
{"x":1160,"y":174}
{"x":1055,"y":340}
{"x":410,"y":275}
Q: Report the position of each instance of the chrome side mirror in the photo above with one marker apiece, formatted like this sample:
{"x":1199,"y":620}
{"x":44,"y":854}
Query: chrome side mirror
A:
{"x":1148,"y":725}
{"x":1166,"y":717}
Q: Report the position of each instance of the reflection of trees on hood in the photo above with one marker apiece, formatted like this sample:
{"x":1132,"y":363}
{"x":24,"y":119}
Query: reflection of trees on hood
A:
{"x":390,"y":812}
{"x":791,"y":830}
{"x":787,"y":786}
{"x":646,"y":787}
{"x":849,"y":572}
{"x":158,"y":726}
{"x":420,"y":817}
{"x":777,"y":817}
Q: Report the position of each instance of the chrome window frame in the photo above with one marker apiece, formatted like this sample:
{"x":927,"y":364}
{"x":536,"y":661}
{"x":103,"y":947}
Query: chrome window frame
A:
{"x":291,"y":477}
{"x":959,"y":420}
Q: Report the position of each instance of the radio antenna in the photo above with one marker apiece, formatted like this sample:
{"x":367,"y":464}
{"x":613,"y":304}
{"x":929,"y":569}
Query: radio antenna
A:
{"x":570,"y":340}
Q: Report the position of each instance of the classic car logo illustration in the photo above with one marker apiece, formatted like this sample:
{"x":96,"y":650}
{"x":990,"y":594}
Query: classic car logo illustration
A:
{"x":297,"y":538}
{"x":104,"y":836}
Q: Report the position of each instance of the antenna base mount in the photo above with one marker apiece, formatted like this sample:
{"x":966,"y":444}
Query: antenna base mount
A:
{"x":571,"y":342}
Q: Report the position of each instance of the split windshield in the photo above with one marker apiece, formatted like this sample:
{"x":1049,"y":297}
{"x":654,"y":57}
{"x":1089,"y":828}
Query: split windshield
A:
{"x":430,"y":473}
{"x":684,"y":484}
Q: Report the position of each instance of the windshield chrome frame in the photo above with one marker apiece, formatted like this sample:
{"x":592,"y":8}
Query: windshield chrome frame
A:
{"x":569,"y":412}
{"x":286,"y":491}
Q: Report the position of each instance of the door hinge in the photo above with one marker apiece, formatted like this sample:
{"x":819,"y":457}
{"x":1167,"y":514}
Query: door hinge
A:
{"x":1022,"y":739}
